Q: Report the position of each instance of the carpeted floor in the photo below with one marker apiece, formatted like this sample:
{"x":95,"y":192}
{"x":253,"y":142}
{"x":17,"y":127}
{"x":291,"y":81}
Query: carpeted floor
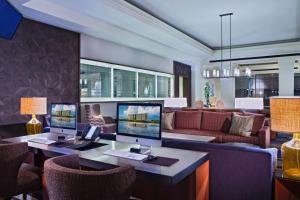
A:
{"x":281,"y":138}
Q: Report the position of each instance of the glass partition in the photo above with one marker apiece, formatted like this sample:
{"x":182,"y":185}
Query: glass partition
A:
{"x":146,"y":85}
{"x":94,"y":81}
{"x":163,"y":86}
{"x":124,"y":83}
{"x":101,"y":81}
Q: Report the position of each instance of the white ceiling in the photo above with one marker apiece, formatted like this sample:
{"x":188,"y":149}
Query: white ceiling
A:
{"x":254,"y":21}
{"x":129,"y":22}
{"x":117,"y":21}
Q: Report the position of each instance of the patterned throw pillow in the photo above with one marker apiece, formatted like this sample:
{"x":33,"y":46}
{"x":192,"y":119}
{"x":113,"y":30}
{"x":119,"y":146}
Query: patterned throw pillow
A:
{"x":241,"y":125}
{"x":168,"y":120}
{"x":97,"y":120}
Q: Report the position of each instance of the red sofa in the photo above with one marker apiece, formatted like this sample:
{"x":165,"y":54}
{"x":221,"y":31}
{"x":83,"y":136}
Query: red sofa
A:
{"x":217,"y":124}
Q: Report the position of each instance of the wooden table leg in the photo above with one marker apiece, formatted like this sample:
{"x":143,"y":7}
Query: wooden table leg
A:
{"x":202,"y":182}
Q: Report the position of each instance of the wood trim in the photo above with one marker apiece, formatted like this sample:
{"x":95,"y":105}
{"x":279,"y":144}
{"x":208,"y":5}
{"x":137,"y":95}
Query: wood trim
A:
{"x":181,"y":69}
{"x":202,"y":182}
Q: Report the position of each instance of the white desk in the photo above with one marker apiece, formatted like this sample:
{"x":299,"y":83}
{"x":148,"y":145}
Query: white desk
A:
{"x":189,"y":162}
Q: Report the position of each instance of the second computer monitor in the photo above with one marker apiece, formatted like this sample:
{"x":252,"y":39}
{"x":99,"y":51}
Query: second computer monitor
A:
{"x":139,"y":123}
{"x":63,"y":118}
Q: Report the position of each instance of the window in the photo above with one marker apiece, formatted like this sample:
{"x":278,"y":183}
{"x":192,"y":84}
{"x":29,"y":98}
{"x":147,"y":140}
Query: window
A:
{"x":101,"y":81}
{"x":124,"y":83}
{"x":94,"y":81}
{"x":146,"y":85}
{"x":163,"y":86}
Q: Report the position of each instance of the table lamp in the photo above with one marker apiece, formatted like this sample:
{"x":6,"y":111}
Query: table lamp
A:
{"x":285,"y":117}
{"x":33,"y":106}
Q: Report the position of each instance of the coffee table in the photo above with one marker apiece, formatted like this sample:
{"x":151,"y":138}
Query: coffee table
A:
{"x":187,"y":137}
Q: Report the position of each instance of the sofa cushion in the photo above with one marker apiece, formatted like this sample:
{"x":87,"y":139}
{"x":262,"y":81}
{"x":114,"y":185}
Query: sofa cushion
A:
{"x":241,"y":125}
{"x":259,"y":120}
{"x":188,"y":119}
{"x":168,"y":120}
{"x":216,"y":121}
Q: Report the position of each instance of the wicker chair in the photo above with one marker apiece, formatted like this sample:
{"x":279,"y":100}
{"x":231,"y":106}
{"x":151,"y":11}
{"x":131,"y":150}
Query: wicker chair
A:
{"x":17,"y":178}
{"x":220,"y":104}
{"x":199,"y":104}
{"x":65,"y":181}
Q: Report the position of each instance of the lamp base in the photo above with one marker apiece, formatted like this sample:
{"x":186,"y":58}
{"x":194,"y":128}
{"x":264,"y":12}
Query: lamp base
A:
{"x":34,"y":126}
{"x":291,"y":158}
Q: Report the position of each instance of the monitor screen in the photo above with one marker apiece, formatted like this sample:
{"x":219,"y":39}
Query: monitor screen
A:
{"x":139,"y":120}
{"x":63,"y":116}
{"x":10,"y":18}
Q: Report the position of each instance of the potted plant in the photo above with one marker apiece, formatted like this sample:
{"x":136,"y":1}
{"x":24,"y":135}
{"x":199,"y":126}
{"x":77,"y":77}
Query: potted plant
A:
{"x":207,"y":93}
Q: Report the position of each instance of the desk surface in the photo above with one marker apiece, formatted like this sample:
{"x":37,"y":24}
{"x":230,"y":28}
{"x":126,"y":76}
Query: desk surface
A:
{"x":188,"y":137}
{"x":188,"y":162}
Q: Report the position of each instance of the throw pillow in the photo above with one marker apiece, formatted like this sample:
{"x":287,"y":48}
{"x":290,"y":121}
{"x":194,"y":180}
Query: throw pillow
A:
{"x":241,"y":125}
{"x":259,"y":120}
{"x":97,"y":120}
{"x":168,"y":120}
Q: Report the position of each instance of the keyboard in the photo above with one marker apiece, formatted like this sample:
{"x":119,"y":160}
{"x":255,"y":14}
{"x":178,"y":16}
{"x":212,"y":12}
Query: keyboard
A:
{"x":125,"y":154}
{"x":42,"y":141}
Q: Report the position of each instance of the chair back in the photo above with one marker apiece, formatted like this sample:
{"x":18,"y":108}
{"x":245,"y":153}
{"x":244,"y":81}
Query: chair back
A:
{"x":12,"y":156}
{"x":93,"y":115}
{"x":220,"y":104}
{"x":213,"y":101}
{"x":96,"y":109}
{"x":65,"y":180}
{"x":199,"y":104}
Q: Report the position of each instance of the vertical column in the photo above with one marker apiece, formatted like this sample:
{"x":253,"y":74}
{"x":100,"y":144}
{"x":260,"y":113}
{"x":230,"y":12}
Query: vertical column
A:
{"x":286,"y":76}
{"x":197,"y":83}
{"x":228,"y":91}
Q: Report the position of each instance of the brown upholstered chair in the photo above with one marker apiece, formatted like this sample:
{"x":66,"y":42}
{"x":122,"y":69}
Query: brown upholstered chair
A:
{"x":17,"y":178}
{"x":93,"y":116}
{"x":199,"y":104}
{"x":65,"y":181}
{"x":220,"y":104}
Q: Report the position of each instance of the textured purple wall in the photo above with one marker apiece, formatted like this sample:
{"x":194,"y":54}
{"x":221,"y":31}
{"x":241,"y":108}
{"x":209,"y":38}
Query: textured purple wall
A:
{"x":40,"y":60}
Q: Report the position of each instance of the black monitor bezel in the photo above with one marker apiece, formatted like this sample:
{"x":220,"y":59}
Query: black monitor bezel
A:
{"x":139,"y":104}
{"x":76,"y":109}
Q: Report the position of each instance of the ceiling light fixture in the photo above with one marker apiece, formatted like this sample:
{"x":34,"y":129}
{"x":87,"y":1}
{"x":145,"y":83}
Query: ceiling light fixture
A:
{"x":222,"y":72}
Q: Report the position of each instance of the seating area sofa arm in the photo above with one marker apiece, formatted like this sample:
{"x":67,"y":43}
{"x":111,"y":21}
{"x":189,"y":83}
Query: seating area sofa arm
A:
{"x":264,"y":137}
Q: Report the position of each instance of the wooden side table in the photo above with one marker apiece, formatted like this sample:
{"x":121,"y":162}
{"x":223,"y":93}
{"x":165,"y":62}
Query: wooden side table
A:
{"x":286,"y":189}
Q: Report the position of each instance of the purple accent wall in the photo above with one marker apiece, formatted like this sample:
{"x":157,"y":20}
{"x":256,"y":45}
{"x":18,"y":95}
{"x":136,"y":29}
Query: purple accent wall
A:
{"x":40,"y":60}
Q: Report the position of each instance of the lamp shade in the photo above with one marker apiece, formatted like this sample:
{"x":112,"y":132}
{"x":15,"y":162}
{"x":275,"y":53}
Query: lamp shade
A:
{"x":285,"y":114}
{"x":249,"y":103}
{"x":33,"y":106}
{"x":175,"y":102}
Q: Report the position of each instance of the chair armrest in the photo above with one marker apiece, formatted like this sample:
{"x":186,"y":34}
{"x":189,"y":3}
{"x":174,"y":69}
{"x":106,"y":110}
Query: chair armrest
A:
{"x":264,"y":137}
{"x":109,"y":128}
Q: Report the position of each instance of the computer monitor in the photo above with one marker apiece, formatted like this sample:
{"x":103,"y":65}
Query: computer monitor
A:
{"x":139,"y":123}
{"x":63,"y":118}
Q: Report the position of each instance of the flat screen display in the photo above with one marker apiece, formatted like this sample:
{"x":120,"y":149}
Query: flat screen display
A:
{"x":10,"y":18}
{"x":139,"y":120}
{"x":63,"y":116}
